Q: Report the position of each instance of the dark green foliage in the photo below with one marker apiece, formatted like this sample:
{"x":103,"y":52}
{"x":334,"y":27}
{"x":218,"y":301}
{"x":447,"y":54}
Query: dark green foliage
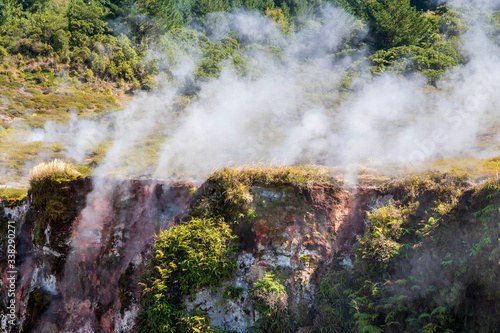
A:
{"x":397,"y":23}
{"x":202,"y":7}
{"x":450,"y":22}
{"x":195,"y":254}
{"x":165,"y":12}
{"x":333,"y":302}
{"x":75,"y":33}
{"x":428,"y":263}
{"x":53,"y":201}
{"x":232,"y":292}
{"x":124,"y":287}
{"x":393,"y":22}
{"x":87,"y":35}
{"x":409,"y":40}
{"x":432,"y":62}
{"x":85,"y":20}
{"x":37,"y":304}
{"x":424,"y":4}
{"x":60,"y":41}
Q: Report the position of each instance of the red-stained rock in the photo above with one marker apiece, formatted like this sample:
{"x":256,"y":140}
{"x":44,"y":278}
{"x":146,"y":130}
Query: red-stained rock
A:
{"x":89,"y":252}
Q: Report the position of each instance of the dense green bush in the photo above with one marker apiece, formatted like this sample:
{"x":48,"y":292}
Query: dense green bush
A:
{"x":432,"y":62}
{"x":393,"y":22}
{"x":333,"y":304}
{"x":195,"y":254}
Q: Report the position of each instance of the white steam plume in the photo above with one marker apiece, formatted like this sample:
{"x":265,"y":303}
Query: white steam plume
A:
{"x":78,"y":136}
{"x":288,"y":109}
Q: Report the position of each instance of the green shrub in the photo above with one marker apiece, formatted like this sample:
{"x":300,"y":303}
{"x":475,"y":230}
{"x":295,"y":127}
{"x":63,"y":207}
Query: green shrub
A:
{"x":88,"y":75}
{"x":432,"y":62}
{"x":60,"y":41}
{"x":270,"y":300}
{"x":232,"y":292}
{"x":195,"y":254}
{"x":333,"y":302}
{"x":380,"y":245}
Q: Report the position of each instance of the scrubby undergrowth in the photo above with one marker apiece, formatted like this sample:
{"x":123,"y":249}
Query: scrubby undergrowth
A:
{"x":227,"y":191}
{"x":11,"y":197}
{"x":197,"y":253}
{"x":429,"y":262}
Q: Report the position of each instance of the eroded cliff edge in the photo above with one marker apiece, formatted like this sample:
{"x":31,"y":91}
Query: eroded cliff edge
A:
{"x":397,"y":255}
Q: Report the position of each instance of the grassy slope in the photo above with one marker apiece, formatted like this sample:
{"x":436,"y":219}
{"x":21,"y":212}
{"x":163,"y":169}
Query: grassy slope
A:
{"x":37,"y":91}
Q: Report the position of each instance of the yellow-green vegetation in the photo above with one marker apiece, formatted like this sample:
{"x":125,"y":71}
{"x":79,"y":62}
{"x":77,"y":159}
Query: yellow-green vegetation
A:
{"x":35,"y":91}
{"x":436,"y":223}
{"x":299,"y":176}
{"x":270,"y":300}
{"x":12,"y":196}
{"x":16,"y":157}
{"x":475,"y":167}
{"x":52,"y":198}
{"x":197,"y":253}
{"x":23,"y":97}
{"x":228,"y":194}
{"x":380,"y":247}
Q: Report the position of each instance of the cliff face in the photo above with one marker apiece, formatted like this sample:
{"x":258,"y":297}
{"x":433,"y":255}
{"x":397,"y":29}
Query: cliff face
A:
{"x":293,"y":233}
{"x":81,"y":251}
{"x":83,"y":246}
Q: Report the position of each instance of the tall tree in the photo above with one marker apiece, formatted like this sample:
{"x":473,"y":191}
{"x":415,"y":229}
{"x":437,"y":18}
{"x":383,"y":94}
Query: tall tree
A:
{"x":397,"y":23}
{"x":166,"y":12}
{"x":393,"y":22}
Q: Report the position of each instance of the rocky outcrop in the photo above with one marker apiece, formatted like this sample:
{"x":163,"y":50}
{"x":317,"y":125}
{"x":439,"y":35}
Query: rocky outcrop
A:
{"x":78,"y":268}
{"x":292,"y":232}
{"x":82,"y":247}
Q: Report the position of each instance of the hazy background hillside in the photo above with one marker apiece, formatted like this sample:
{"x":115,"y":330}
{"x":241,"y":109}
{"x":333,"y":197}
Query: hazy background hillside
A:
{"x":178,"y":88}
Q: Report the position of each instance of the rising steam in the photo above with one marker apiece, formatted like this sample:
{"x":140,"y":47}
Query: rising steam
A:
{"x":288,"y":106}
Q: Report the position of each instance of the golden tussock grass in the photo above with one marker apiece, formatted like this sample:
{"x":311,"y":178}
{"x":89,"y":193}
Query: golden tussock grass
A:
{"x":55,"y":169}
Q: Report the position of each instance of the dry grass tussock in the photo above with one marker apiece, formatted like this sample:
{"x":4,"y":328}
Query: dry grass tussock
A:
{"x":55,"y":169}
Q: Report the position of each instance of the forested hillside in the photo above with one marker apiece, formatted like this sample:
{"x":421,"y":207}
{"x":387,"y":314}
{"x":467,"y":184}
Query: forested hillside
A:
{"x":79,"y":61}
{"x":110,"y":39}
